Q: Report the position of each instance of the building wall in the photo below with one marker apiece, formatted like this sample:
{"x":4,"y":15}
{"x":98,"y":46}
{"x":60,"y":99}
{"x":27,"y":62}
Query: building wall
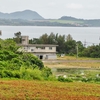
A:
{"x":35,"y":49}
{"x":25,"y":40}
{"x":46,"y":55}
{"x":42,"y":52}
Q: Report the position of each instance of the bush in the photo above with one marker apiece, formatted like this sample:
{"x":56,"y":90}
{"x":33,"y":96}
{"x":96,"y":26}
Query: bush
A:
{"x":52,"y":78}
{"x":97,"y":79}
{"x":62,"y":79}
{"x":30,"y":73}
{"x":46,"y":72}
{"x":6,"y":73}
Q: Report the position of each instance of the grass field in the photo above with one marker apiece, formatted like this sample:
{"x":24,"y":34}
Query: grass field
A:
{"x":72,"y":61}
{"x":66,"y":21}
{"x":44,"y":90}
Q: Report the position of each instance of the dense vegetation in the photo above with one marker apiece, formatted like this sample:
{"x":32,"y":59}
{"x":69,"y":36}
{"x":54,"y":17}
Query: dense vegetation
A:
{"x":67,"y":45}
{"x":15,"y":64}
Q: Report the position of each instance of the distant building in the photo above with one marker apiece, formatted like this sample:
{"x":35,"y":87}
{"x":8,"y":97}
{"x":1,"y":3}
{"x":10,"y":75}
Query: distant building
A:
{"x":42,"y":51}
{"x":25,"y":39}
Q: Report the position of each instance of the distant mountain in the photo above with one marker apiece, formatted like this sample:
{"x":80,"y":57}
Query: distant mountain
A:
{"x":69,"y":18}
{"x":80,"y":22}
{"x":32,"y":18}
{"x":26,"y":15}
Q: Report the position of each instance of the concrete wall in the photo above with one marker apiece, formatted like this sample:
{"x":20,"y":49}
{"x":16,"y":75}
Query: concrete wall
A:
{"x":34,"y":49}
{"x":46,"y":56}
{"x":25,"y":40}
{"x":41,"y":51}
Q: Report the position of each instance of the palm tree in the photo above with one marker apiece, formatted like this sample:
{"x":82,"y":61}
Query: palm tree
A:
{"x":17,"y":37}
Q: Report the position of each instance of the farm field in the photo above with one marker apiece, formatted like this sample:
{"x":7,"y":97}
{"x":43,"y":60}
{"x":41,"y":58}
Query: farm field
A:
{"x":73,"y":62}
{"x":47,"y":90}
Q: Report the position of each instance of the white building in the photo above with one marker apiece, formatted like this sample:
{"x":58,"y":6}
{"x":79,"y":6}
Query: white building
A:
{"x":42,"y":51}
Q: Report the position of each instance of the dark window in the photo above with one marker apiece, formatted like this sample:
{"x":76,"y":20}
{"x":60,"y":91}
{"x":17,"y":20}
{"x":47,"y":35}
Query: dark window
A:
{"x":50,"y":48}
{"x":23,"y":39}
{"x":40,"y":47}
{"x":41,"y":56}
{"x":32,"y":49}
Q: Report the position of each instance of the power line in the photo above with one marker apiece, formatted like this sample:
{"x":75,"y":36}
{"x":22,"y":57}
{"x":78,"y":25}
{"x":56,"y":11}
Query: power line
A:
{"x":85,"y":43}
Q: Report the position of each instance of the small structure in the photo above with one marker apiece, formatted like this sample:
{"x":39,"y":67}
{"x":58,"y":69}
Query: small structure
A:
{"x":42,"y":51}
{"x":25,"y":40}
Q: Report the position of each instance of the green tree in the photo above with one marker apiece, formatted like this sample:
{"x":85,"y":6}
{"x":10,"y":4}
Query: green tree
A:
{"x":91,"y":51}
{"x":51,"y":38}
{"x":69,"y":37}
{"x":44,"y":38}
{"x":9,"y":55}
{"x":70,"y":47}
{"x":60,"y":39}
{"x":17,"y":37}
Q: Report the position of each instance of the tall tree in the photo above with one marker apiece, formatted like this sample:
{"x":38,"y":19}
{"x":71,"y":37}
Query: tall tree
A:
{"x":51,"y":38}
{"x":44,"y":38}
{"x":69,"y":37}
{"x":17,"y":37}
{"x":60,"y":42}
{"x":70,"y":47}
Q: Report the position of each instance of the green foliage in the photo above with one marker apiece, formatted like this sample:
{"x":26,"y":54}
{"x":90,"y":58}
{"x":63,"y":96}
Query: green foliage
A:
{"x":29,"y":73}
{"x":91,"y":51}
{"x":14,"y":64}
{"x":67,"y":45}
{"x":62,"y":79}
{"x":12,"y":59}
{"x":46,"y":72}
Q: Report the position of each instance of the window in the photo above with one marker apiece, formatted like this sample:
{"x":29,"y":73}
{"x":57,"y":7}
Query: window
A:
{"x":23,"y":39}
{"x":32,"y":49}
{"x":42,"y":47}
{"x":50,"y":48}
{"x":39,"y":47}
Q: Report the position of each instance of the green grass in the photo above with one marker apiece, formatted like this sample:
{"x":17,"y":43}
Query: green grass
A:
{"x":66,"y":21}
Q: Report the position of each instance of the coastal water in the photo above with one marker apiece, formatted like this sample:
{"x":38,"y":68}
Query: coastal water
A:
{"x":88,"y":35}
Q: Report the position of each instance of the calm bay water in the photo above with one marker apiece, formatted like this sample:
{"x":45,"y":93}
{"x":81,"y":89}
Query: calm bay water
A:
{"x":89,"y":35}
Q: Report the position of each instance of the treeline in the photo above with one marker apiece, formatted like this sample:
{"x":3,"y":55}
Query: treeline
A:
{"x":67,"y":45}
{"x":22,"y":22}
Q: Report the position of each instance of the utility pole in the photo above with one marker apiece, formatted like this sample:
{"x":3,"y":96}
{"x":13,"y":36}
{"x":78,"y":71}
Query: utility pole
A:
{"x":77,"y":50}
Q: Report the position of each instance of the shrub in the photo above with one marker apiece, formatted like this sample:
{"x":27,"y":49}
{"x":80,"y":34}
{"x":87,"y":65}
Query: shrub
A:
{"x":62,"y":79}
{"x":46,"y":72}
{"x":35,"y":74}
{"x":97,"y":79}
{"x":52,"y":78}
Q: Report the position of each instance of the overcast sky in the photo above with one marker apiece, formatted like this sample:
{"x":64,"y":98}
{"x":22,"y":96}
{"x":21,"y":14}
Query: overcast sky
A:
{"x":86,"y":9}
